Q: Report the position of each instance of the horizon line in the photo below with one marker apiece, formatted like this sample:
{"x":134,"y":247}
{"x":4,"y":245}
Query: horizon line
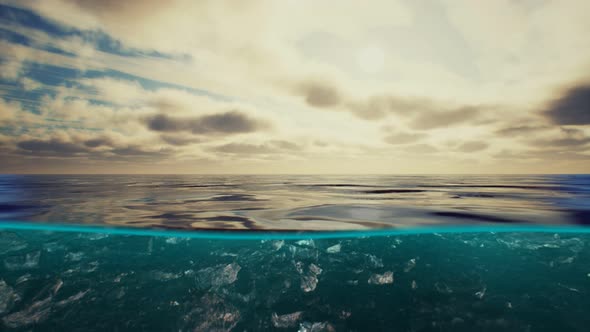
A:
{"x":216,"y":234}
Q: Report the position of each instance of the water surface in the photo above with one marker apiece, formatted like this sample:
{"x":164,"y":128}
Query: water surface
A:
{"x":282,"y":202}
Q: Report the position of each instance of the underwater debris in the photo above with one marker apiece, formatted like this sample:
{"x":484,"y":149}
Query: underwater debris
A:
{"x":303,"y":253}
{"x":8,"y":297}
{"x":481,"y":293}
{"x":96,"y":236}
{"x":92,"y":266}
{"x":298,"y":267}
{"x":309,"y":282}
{"x":72,"y":298}
{"x":334,"y":249}
{"x":57,"y":286}
{"x":569,"y":288}
{"x":287,"y":320}
{"x":278,"y":244}
{"x":229,"y":273}
{"x":352,"y":282}
{"x":344,"y":314}
{"x":414,"y":284}
{"x":29,"y":261}
{"x":410,"y":265}
{"x":11,"y":242}
{"x":53,"y":246}
{"x":381,"y":279}
{"x":315,"y":269}
{"x":212,"y":313}
{"x":24,"y":278}
{"x":567,"y":260}
{"x":176,"y":240}
{"x":218,"y":275}
{"x":33,"y":314}
{"x":172,"y":240}
{"x":226,"y":254}
{"x":165,"y":276}
{"x":120,"y":293}
{"x":443,"y":288}
{"x":375,"y":262}
{"x":118,"y":278}
{"x":574,"y":244}
{"x":74,"y":256}
{"x":305,"y":243}
{"x":316,"y":327}
{"x":150,"y":246}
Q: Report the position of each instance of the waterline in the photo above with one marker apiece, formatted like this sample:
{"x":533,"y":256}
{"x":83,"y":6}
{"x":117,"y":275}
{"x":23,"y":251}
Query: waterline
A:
{"x":289,"y":235}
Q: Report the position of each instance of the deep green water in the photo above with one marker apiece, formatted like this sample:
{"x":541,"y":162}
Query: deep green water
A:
{"x":464,"y":281}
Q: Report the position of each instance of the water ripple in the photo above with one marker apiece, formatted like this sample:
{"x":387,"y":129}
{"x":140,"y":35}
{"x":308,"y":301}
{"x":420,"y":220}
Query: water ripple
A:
{"x":288,"y":202}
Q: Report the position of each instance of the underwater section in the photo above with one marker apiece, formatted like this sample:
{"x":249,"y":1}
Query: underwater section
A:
{"x":464,"y":281}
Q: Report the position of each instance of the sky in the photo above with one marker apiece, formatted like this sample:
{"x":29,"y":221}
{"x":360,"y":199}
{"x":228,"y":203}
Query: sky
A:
{"x":295,"y":86}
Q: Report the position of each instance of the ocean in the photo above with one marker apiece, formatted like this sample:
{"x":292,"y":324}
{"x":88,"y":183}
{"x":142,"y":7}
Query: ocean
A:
{"x":294,"y":253}
{"x":295,"y":203}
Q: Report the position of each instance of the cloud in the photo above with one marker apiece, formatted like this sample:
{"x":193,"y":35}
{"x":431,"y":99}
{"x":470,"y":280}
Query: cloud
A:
{"x":179,"y":140}
{"x":99,"y":141}
{"x":10,"y":68}
{"x":569,"y":142}
{"x":71,"y":144}
{"x":30,"y":84}
{"x":377,"y":107}
{"x":232,"y":122}
{"x":52,"y":146}
{"x":286,"y":145}
{"x":426,"y":113}
{"x":139,"y":151}
{"x":319,"y":93}
{"x":572,"y":108}
{"x":421,"y":149}
{"x":567,"y":138}
{"x":437,"y":119}
{"x":520,"y":130}
{"x":116,"y":91}
{"x":404,"y":138}
{"x":473,"y":146}
{"x":245,"y":148}
{"x":271,"y":147}
{"x":556,"y":155}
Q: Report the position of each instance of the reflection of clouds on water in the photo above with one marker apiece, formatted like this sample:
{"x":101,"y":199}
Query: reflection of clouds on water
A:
{"x":294,"y":202}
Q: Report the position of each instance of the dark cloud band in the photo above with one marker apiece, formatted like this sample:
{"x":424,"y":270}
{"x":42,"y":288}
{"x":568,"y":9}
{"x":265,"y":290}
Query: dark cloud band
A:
{"x":225,"y":123}
{"x":572,"y":108}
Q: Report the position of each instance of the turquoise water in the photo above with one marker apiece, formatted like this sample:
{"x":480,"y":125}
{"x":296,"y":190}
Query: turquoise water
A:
{"x":77,"y":278}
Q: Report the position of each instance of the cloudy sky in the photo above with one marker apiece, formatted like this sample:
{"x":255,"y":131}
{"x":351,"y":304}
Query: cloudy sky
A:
{"x":295,"y":86}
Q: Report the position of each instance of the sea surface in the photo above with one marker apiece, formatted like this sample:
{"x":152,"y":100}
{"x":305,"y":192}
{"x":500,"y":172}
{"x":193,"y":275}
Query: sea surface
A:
{"x":300,"y":203}
{"x":294,"y":253}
